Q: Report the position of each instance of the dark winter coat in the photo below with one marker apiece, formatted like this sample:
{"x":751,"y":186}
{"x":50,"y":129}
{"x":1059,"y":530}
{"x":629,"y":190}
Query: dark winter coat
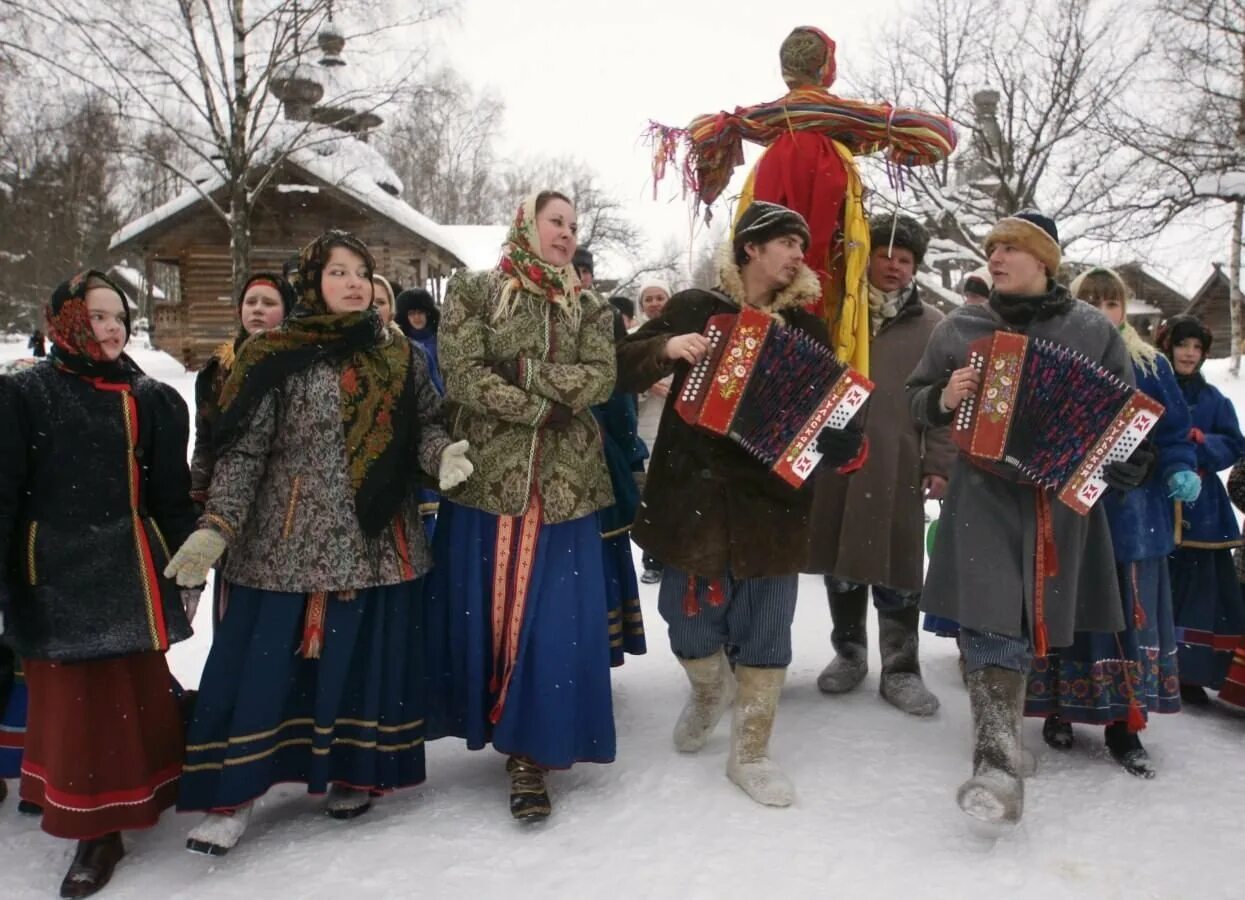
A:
{"x":981,"y":570}
{"x":1209,"y":523}
{"x":208,"y":384}
{"x":94,"y":493}
{"x":624,"y":456}
{"x":869,"y":527}
{"x":1141,"y":520}
{"x":708,"y":507}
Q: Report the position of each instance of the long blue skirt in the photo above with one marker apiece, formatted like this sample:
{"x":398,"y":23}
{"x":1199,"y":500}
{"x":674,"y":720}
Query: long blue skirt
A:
{"x":13,"y":727}
{"x":1092,"y":681}
{"x":941,"y":626}
{"x":1210,"y":616}
{"x":266,"y":715}
{"x":559,"y":709}
{"x":622,"y":593}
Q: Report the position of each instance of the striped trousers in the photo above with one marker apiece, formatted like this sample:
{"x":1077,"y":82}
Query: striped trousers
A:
{"x":753,"y":624}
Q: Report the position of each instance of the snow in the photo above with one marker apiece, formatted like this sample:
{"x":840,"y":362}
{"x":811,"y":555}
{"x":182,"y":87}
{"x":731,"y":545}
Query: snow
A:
{"x":875,"y":812}
{"x":480,"y":245}
{"x":1225,"y":185}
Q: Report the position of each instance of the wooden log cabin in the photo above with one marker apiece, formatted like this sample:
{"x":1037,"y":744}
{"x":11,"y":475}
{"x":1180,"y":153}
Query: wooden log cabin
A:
{"x":331,"y":178}
{"x":1212,"y":304}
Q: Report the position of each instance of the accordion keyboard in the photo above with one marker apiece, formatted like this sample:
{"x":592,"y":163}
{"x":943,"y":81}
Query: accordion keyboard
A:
{"x":699,"y":375}
{"x":964,"y":412}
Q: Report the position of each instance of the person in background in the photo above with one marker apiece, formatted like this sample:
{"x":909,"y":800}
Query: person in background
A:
{"x":1116,"y":680}
{"x":653,"y":296}
{"x":94,"y":488}
{"x":626,"y":308}
{"x":977,"y":285}
{"x":37,"y":345}
{"x":419,"y":316}
{"x":383,"y":299}
{"x":1206,"y":599}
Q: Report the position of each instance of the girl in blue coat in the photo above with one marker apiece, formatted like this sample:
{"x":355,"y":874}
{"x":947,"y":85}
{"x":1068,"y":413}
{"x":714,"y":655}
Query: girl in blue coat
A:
{"x":1114,"y":680}
{"x":1210,"y":616}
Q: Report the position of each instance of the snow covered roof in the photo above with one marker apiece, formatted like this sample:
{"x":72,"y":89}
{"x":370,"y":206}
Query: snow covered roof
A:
{"x":133,"y":279}
{"x":338,"y":160}
{"x":480,"y":244}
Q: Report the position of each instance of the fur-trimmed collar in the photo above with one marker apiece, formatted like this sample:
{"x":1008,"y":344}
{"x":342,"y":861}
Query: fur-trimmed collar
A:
{"x":801,"y":292}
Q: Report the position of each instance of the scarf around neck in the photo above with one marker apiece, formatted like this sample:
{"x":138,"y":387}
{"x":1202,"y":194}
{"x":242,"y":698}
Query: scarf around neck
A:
{"x":1021,"y":309}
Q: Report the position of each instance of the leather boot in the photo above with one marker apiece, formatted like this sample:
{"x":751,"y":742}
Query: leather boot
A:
{"x":713,"y":691}
{"x":92,"y":865}
{"x":995,"y":793}
{"x":849,"y":639}
{"x":901,"y":684}
{"x":529,"y":798}
{"x":749,"y":765}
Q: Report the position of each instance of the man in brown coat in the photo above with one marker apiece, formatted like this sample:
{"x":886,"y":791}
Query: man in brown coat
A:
{"x":732,"y":535}
{"x":866,"y":531}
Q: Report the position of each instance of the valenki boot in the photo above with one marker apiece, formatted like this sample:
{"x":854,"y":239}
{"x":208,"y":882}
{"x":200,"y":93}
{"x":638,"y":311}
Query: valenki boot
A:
{"x":713,"y":690}
{"x":219,"y":833}
{"x":901,"y":684}
{"x":850,"y":641}
{"x":995,"y":793}
{"x":749,"y":765}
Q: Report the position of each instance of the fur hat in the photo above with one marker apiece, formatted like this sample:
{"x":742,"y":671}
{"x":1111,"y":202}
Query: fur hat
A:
{"x":1098,"y":284}
{"x":978,"y":282}
{"x":416,"y":300}
{"x":648,"y":283}
{"x":624,"y":305}
{"x":1032,"y":232}
{"x":582,"y":259}
{"x":763,"y":222}
{"x":908,"y":233}
{"x":1182,"y":327}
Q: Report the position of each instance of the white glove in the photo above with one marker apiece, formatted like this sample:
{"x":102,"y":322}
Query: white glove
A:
{"x":455,"y":467}
{"x":193,"y":560}
{"x":190,"y":602}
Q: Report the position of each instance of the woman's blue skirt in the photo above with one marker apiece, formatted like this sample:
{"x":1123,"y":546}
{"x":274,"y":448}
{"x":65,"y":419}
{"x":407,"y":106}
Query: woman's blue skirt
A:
{"x":558,"y":709}
{"x":622,"y":591}
{"x":1210,"y":617}
{"x":13,"y":727}
{"x":1094,"y":681}
{"x":266,"y":715}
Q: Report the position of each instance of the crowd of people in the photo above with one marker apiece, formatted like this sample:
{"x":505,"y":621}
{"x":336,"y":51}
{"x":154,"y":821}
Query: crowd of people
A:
{"x":420,"y":516}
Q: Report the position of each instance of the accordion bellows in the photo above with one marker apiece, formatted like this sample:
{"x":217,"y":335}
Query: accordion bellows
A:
{"x":770,"y":389}
{"x":1051,"y":413}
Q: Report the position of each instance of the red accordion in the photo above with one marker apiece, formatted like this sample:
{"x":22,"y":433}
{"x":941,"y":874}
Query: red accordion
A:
{"x":1051,"y":413}
{"x":771,"y":389}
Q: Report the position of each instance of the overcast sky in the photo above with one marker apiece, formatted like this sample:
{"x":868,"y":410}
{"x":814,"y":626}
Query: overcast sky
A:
{"x":584,"y":77}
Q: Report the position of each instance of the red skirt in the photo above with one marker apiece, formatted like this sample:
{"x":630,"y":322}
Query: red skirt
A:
{"x":104,"y":744}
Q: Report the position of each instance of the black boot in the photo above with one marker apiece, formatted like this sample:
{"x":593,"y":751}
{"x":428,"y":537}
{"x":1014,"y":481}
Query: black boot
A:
{"x":92,"y":865}
{"x":529,"y":798}
{"x":901,"y":685}
{"x":996,"y":792}
{"x":1194,"y":695}
{"x":1057,"y":733}
{"x":1125,"y":748}
{"x":849,"y":638}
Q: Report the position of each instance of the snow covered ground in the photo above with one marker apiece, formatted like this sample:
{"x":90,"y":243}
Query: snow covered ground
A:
{"x":875,"y":814}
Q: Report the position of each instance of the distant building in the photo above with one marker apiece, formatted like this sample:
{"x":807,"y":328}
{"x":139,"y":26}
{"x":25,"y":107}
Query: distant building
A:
{"x":1211,"y":304}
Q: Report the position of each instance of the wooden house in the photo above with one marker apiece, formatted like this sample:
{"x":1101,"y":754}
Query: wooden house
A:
{"x":334,"y":179}
{"x":1211,"y":304}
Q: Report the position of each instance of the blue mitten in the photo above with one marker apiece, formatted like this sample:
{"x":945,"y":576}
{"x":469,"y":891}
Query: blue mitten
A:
{"x":1184,"y":486}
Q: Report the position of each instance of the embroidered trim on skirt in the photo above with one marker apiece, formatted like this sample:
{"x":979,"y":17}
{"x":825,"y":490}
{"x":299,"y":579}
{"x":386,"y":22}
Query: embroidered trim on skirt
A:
{"x":622,"y":592}
{"x":558,"y":709}
{"x":1094,"y":681}
{"x":266,"y":715}
{"x":103,"y":744}
{"x":1209,"y":613}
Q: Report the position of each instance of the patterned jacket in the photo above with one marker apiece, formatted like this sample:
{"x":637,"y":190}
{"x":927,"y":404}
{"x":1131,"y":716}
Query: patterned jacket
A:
{"x":515,"y":448}
{"x":281,"y":495}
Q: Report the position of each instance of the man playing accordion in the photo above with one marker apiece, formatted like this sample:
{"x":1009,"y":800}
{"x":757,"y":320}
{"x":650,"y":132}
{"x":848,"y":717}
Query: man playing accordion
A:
{"x":1016,"y":570}
{"x":731,"y":533}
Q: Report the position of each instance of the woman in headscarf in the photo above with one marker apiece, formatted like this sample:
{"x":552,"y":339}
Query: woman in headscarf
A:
{"x":93,"y":489}
{"x":517,"y":601}
{"x":263,"y":303}
{"x":1116,"y":680}
{"x":314,"y":675}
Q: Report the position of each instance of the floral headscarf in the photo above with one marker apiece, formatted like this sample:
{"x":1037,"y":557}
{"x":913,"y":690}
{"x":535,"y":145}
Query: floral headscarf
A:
{"x":74,"y":345}
{"x":527,"y":272}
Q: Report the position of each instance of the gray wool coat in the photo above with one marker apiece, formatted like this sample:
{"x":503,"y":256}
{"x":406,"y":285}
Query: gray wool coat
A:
{"x":869,"y":527}
{"x":981,"y":571}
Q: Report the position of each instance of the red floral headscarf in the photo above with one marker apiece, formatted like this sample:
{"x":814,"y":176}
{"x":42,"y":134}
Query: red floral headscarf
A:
{"x":528,"y":272}
{"x":69,"y":322}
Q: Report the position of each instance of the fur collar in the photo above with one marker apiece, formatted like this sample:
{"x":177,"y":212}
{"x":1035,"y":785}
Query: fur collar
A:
{"x":801,"y":292}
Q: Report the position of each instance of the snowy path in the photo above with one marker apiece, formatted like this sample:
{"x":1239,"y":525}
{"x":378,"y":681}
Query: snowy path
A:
{"x":875,"y":814}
